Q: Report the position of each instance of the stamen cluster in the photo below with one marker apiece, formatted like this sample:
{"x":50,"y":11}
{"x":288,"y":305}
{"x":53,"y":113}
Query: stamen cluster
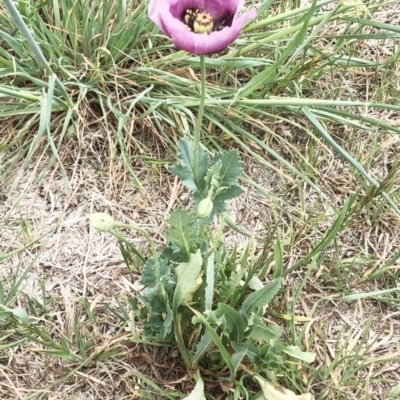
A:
{"x":198,"y":21}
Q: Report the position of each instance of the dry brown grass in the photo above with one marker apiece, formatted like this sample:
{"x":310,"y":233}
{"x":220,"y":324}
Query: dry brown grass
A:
{"x":77,"y":273}
{"x":76,"y":264}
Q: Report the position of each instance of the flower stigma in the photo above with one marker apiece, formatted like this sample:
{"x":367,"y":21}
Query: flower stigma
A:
{"x":198,"y":21}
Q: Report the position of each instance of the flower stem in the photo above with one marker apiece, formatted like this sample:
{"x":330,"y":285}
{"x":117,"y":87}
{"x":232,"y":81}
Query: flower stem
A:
{"x":139,"y":229}
{"x":197,"y":130}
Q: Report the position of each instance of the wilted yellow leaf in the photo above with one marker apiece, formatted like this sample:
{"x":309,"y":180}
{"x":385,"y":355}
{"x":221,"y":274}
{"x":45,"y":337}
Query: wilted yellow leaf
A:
{"x":270,"y":392}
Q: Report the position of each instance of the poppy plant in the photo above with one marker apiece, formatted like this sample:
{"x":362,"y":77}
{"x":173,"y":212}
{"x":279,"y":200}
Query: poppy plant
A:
{"x":200,"y":26}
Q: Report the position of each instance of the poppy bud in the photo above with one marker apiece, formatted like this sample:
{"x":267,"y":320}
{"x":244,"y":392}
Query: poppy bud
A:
{"x":204,"y":208}
{"x":102,"y":221}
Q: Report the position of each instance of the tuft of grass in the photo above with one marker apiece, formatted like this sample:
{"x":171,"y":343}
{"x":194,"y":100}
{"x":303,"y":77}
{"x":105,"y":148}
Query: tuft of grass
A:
{"x":125,"y":72}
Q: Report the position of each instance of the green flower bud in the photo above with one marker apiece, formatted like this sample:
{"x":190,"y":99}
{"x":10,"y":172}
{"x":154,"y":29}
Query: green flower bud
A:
{"x":204,"y":208}
{"x":102,"y":221}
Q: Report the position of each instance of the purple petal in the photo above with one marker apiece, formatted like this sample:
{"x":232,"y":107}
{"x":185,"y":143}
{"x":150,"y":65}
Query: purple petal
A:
{"x":166,"y":14}
{"x":214,"y":7}
{"x":156,"y":9}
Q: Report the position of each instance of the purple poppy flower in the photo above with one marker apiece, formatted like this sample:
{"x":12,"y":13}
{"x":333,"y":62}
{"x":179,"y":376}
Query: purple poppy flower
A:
{"x":200,"y":26}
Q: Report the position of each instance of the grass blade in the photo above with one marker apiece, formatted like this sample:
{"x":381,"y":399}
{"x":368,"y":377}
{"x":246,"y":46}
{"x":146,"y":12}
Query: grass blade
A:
{"x":358,"y":296}
{"x":324,"y":133}
{"x":26,"y":33}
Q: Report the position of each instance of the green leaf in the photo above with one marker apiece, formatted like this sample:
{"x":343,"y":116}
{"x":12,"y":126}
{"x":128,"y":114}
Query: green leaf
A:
{"x":219,"y":204}
{"x":216,"y":339}
{"x":18,"y":313}
{"x":237,"y":359}
{"x":183,"y":230}
{"x":187,"y":274}
{"x":198,"y":391}
{"x":153,"y":272}
{"x":231,"y":167}
{"x":132,"y":256}
{"x":189,"y":295}
{"x":202,"y":346}
{"x":228,"y":287}
{"x":261,"y":297}
{"x":295,"y":352}
{"x":149,"y":382}
{"x":264,"y":7}
{"x":26,"y":33}
{"x":167,"y":326}
{"x":213,"y":174}
{"x":185,"y":170}
{"x":251,"y":351}
{"x":255,"y":283}
{"x":224,"y":194}
{"x":268,"y":75}
{"x":261,"y":331}
{"x":209,"y":289}
{"x":234,"y":323}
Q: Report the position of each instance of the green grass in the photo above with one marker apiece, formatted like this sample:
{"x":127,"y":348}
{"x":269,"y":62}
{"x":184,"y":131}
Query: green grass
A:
{"x":96,"y":96}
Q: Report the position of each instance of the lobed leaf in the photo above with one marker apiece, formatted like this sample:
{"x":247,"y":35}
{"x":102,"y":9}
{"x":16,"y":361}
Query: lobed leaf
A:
{"x":185,"y":170}
{"x":153,"y":272}
{"x":231,"y":167}
{"x":183,"y":230}
{"x":202,"y":346}
{"x":213,"y":174}
{"x":219,"y":205}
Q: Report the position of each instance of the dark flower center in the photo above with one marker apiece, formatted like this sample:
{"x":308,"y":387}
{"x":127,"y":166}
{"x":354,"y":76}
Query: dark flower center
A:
{"x":201,"y":21}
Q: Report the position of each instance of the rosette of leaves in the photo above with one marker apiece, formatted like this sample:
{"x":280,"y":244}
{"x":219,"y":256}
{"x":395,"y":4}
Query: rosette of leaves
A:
{"x":208,"y":302}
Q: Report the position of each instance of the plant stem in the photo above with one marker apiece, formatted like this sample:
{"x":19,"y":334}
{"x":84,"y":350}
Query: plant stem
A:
{"x":197,"y":130}
{"x":135,"y":228}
